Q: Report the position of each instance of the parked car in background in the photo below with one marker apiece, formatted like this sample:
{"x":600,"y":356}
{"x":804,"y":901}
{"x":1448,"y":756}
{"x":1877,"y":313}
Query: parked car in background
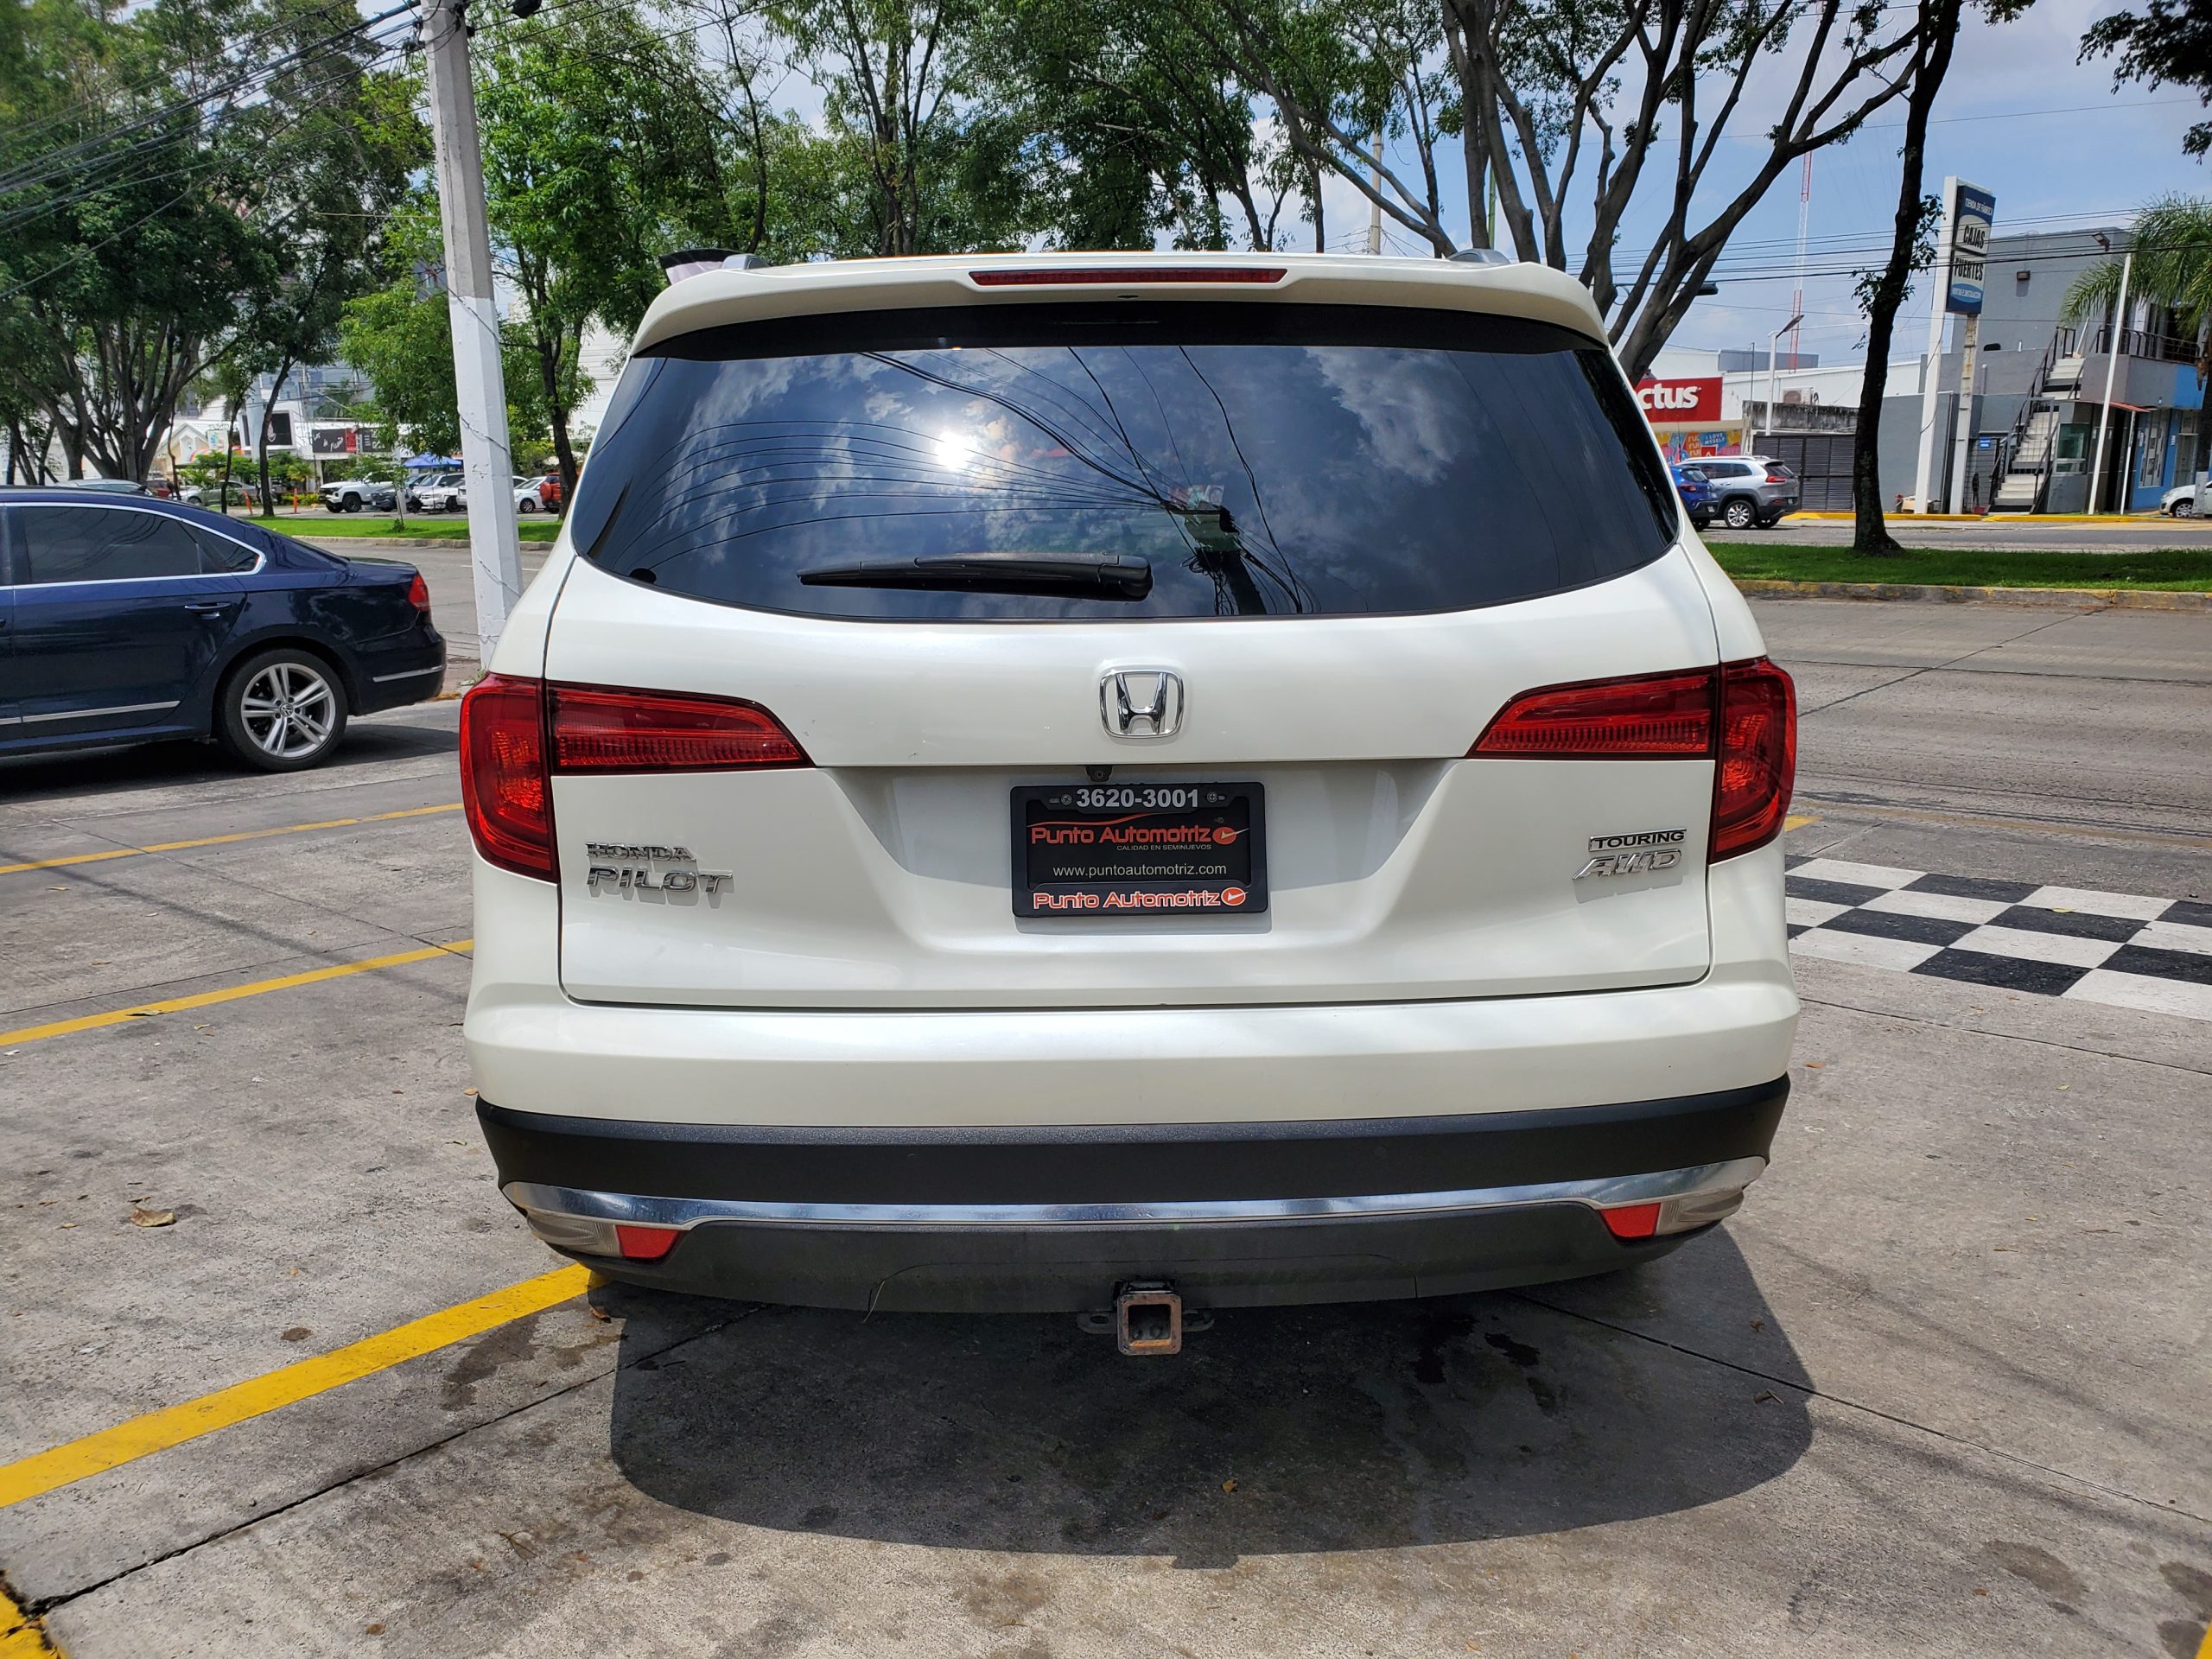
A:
{"x":1279,"y":894}
{"x":530,"y":494}
{"x":239,"y":493}
{"x":104,"y":485}
{"x":1751,"y":490}
{"x":354,"y":494}
{"x":2179,"y":502}
{"x":1696,"y":490}
{"x":130,"y":621}
{"x":439,"y":493}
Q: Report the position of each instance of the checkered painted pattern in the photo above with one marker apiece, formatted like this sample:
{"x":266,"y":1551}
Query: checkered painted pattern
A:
{"x":2118,"y":948}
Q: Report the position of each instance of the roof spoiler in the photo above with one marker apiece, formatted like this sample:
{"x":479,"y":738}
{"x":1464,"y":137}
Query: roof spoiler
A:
{"x":687,"y":263}
{"x":1483,"y":256}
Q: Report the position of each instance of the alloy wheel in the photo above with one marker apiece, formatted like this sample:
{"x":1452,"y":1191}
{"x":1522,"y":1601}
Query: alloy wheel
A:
{"x":287,"y":710}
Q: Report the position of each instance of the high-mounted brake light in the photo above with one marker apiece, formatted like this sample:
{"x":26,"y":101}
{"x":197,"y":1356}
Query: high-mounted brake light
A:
{"x":596,"y":728}
{"x":516,"y":734}
{"x":1123,"y":276}
{"x":503,"y":778}
{"x":1667,"y":717}
{"x":1743,"y":717}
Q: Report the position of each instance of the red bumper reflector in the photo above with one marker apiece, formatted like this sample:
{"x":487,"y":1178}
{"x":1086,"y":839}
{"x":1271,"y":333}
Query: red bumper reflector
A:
{"x":1120,"y":275}
{"x":650,"y":1244}
{"x":1625,"y":1220}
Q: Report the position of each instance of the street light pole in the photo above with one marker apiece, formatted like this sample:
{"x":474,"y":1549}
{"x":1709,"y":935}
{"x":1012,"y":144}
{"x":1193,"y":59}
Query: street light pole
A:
{"x":495,"y":557}
{"x":1773,"y":349}
{"x":2112,"y":362}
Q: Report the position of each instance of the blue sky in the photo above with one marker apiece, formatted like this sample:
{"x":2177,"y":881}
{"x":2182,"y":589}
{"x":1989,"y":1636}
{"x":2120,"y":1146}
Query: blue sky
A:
{"x":2052,"y":139}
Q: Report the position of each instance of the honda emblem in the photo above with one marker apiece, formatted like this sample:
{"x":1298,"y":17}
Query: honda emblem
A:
{"x":1141,"y":702}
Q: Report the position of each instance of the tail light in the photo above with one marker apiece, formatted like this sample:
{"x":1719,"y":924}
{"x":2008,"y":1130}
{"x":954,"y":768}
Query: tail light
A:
{"x":1667,"y":716}
{"x":517,"y":732}
{"x":1757,"y":767}
{"x":503,"y":785}
{"x":418,"y":596}
{"x":598,"y":729}
{"x":1743,"y":717}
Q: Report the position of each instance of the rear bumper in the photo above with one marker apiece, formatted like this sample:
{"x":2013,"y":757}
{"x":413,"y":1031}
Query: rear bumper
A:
{"x":409,"y":668}
{"x":1039,"y":1218}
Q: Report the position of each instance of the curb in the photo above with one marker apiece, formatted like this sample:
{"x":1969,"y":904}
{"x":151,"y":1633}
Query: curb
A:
{"x":2123,"y":599}
{"x":2107,"y":520}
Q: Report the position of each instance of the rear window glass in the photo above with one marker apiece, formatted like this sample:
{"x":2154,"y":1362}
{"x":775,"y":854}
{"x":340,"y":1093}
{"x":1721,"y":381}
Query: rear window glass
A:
{"x":1082,"y":462}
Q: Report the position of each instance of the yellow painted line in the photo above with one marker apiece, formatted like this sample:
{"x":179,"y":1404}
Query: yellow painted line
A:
{"x":1797,"y":821}
{"x":157,"y":1431}
{"x":229,"y":993}
{"x":221,"y":841}
{"x":2204,"y":1648}
{"x":21,"y":1636}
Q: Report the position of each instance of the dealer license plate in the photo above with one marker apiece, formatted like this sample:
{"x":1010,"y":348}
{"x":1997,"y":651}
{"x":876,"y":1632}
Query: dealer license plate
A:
{"x":1139,"y":849}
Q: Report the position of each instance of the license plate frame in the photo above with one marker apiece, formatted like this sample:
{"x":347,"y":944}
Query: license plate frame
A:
{"x":1242,"y":809}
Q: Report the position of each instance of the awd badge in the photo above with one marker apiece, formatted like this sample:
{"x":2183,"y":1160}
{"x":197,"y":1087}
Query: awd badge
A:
{"x":1639,"y":853}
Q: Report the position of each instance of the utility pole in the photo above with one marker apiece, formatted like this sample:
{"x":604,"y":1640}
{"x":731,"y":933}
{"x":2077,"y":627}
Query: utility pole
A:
{"x":494,"y":555}
{"x":1375,"y":202}
{"x":2112,"y":362}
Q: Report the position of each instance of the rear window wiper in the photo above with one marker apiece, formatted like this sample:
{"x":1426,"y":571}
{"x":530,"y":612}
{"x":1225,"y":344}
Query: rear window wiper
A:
{"x":1099,"y":576}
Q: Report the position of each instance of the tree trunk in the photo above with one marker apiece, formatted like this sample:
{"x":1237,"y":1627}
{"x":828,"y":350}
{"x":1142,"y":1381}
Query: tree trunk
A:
{"x":261,"y":441}
{"x":549,"y":371}
{"x":1870,"y":535}
{"x":230,"y":449}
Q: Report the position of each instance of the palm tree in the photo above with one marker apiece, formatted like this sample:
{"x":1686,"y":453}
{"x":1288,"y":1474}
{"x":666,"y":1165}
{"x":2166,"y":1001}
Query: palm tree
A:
{"x":2172,"y":247}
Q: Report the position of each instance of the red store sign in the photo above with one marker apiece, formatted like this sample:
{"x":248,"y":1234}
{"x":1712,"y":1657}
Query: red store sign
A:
{"x":1694,"y":402}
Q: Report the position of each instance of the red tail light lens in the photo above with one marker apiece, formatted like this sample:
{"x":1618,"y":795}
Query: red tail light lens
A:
{"x":503,"y":781}
{"x":596,"y":728}
{"x":418,"y":596}
{"x":1758,"y":761}
{"x":1123,"y":276}
{"x":1665,"y":716}
{"x":1752,"y":736}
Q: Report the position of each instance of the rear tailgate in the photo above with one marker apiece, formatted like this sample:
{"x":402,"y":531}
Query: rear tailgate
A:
{"x":880,"y":876}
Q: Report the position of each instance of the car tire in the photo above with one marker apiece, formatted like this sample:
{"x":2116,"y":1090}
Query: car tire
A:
{"x":281,"y":710}
{"x":1739,"y":514}
{"x":525,"y":506}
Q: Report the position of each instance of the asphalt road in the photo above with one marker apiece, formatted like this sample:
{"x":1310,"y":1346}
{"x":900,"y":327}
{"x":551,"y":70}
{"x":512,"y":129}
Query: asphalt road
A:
{"x":1938,"y":1388}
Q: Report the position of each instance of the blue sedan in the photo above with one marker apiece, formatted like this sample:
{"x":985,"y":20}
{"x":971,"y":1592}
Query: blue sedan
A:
{"x":131,"y":620}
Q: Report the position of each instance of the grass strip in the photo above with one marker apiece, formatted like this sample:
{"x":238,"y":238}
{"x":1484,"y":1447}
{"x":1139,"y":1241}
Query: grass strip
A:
{"x":376,"y":527}
{"x":2171,"y":568}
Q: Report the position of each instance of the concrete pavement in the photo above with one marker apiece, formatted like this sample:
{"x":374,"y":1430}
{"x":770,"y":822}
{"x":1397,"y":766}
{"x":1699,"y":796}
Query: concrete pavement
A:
{"x":1938,"y":1388}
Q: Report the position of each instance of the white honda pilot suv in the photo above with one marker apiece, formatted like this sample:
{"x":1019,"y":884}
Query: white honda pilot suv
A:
{"x":1068,"y":782}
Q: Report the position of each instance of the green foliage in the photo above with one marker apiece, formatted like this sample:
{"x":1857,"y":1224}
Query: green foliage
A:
{"x":2172,"y":267}
{"x":2169,"y":41}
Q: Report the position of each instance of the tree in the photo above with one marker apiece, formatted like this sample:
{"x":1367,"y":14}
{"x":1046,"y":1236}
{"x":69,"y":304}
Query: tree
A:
{"x":332,"y":174}
{"x":400,"y":336}
{"x":2172,"y":243}
{"x":2169,"y":41}
{"x":1881,"y":294}
{"x":595,"y":149}
{"x":140,"y":199}
{"x":1641,"y":91}
{"x":938,"y":173}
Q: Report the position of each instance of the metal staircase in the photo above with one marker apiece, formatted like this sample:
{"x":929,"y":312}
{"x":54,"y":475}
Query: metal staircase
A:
{"x":2029,"y":449}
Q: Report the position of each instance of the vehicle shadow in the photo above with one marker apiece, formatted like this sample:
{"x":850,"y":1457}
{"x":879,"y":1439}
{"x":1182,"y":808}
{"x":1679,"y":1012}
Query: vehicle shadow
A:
{"x":371,"y":741}
{"x":1277,"y":1431}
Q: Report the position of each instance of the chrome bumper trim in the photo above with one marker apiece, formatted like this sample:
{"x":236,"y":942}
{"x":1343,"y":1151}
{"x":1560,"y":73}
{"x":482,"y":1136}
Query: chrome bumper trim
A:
{"x":1716,"y":1183}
